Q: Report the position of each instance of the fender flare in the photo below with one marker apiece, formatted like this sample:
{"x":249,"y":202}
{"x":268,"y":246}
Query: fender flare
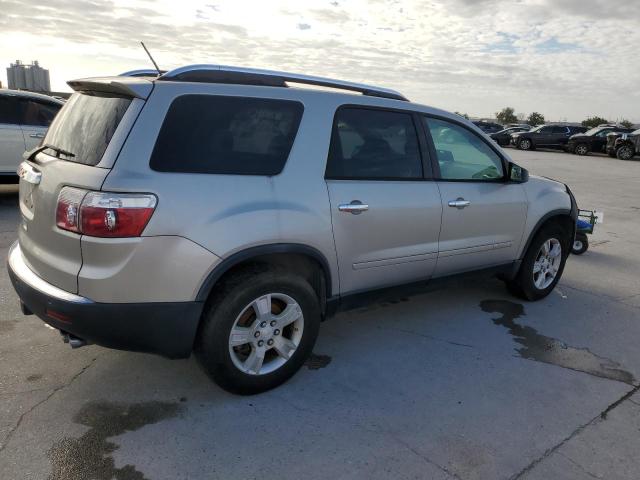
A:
{"x":564,"y":212}
{"x":253,"y":252}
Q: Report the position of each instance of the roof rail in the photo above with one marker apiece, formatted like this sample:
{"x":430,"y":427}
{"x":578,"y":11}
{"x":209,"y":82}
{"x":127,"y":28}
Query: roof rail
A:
{"x":272,"y":78}
{"x":145,"y":72}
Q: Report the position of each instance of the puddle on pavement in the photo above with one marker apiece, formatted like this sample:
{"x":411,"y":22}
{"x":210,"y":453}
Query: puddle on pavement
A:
{"x":89,"y":457}
{"x":551,"y":350}
{"x":315,"y":362}
{"x":34,"y":378}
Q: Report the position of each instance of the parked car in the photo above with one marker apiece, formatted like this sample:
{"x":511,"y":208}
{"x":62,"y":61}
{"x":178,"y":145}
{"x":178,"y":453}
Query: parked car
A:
{"x":503,"y":137}
{"x":488,"y":127}
{"x":215,"y":210}
{"x":547,"y":136}
{"x":627,"y":145}
{"x":24,"y":119}
{"x":594,"y":140}
{"x":526,"y":126}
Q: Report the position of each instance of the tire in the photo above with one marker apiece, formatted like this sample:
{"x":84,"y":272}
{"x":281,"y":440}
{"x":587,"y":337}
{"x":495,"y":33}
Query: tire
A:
{"x":580,"y":244}
{"x":611,"y":154}
{"x":625,"y":152}
{"x":525,"y":144}
{"x":524,"y":285}
{"x":581,"y":149}
{"x":236,"y":304}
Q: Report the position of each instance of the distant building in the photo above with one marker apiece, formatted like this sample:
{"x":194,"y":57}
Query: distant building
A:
{"x":28,"y":77}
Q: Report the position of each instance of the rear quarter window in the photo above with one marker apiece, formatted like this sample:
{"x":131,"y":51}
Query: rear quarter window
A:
{"x":226,"y":135}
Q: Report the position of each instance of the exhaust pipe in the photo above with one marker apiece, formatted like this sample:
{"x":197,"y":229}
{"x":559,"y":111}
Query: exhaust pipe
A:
{"x":72,"y":340}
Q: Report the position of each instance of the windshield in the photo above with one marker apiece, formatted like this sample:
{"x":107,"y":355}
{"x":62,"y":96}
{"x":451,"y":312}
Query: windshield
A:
{"x":537,"y":129}
{"x":85,"y":125}
{"x":593,"y":131}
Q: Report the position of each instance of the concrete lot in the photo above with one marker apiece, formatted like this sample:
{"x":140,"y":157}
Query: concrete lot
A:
{"x":463,"y":382}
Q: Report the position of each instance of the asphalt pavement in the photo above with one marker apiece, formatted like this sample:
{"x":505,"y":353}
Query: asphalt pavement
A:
{"x":462,"y":382}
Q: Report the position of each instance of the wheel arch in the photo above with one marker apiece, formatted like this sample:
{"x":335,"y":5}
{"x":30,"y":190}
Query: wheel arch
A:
{"x":302,"y":258}
{"x":563,"y":217}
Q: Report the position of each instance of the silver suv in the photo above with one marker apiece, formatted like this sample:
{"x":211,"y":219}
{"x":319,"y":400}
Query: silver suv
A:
{"x":24,"y":119}
{"x":215,"y":210}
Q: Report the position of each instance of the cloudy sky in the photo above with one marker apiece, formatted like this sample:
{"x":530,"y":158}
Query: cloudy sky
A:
{"x":567,"y":59}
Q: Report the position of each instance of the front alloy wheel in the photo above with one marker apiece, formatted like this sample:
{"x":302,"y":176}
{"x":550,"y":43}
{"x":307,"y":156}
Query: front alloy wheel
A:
{"x":525,"y":144}
{"x":266,"y":334}
{"x":581,"y":149}
{"x":547,"y":263}
{"x":542,"y":265}
{"x":625,"y":152}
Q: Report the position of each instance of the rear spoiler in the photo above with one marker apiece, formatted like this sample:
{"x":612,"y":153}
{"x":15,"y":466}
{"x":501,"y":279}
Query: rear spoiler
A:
{"x":126,"y":86}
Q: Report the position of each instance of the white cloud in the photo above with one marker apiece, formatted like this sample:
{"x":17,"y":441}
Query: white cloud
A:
{"x":565,"y":58}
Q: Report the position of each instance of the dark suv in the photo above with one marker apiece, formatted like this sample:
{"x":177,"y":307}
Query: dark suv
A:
{"x":595,"y":140}
{"x":547,"y":136}
{"x":624,"y":145}
{"x":503,"y":137}
{"x":488,"y":127}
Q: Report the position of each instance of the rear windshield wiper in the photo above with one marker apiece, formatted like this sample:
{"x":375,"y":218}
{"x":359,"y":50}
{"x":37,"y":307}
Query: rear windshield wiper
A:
{"x":31,"y":154}
{"x":59,"y":150}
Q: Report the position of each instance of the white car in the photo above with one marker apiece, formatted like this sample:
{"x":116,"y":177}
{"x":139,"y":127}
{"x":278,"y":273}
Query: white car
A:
{"x":24,"y":119}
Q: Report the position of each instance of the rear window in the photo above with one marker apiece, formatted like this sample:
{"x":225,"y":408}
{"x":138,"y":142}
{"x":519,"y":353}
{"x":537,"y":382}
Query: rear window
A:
{"x":9,"y":109}
{"x":373,"y":145}
{"x":226,"y":135}
{"x":37,"y":113}
{"x":85,"y":125}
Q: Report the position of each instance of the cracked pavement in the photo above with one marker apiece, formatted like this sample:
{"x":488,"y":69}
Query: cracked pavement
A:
{"x":431,"y":386}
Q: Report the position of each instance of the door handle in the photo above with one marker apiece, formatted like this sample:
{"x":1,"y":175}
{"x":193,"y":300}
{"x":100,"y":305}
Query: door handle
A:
{"x":459,"y":203}
{"x":356,"y":207}
{"x":36,"y":135}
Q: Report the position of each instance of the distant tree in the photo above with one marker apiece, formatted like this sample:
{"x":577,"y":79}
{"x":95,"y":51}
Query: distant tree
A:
{"x":535,"y":119}
{"x":506,"y":115}
{"x":626,"y":123}
{"x":462,"y":115}
{"x":594,"y":121}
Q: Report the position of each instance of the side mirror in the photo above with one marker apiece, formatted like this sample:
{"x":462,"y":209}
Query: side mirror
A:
{"x":517,"y":174}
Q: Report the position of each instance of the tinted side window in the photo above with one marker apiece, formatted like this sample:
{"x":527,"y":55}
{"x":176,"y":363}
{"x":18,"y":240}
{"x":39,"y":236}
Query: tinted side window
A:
{"x":546,"y":130}
{"x":9,"y":109}
{"x":37,"y":113}
{"x":462,"y":155}
{"x":560,"y":130}
{"x":373,"y":144}
{"x":226,"y":135}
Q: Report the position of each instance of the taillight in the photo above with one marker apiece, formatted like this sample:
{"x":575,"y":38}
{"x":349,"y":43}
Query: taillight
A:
{"x":104,"y":214}
{"x":68,"y":208}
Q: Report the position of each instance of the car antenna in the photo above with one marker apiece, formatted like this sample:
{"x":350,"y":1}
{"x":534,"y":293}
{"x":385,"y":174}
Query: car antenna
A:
{"x":152,"y":60}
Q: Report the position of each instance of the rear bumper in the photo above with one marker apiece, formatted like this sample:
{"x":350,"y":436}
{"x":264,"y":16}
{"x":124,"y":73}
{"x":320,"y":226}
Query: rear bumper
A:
{"x":167,"y":329}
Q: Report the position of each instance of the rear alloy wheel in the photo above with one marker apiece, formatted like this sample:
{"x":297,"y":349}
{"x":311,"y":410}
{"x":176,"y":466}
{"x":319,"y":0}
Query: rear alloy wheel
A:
{"x":581,"y":149}
{"x":266,"y":334}
{"x":258,"y":331}
{"x":524,"y":144}
{"x":625,"y":152}
{"x":542,"y":265}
